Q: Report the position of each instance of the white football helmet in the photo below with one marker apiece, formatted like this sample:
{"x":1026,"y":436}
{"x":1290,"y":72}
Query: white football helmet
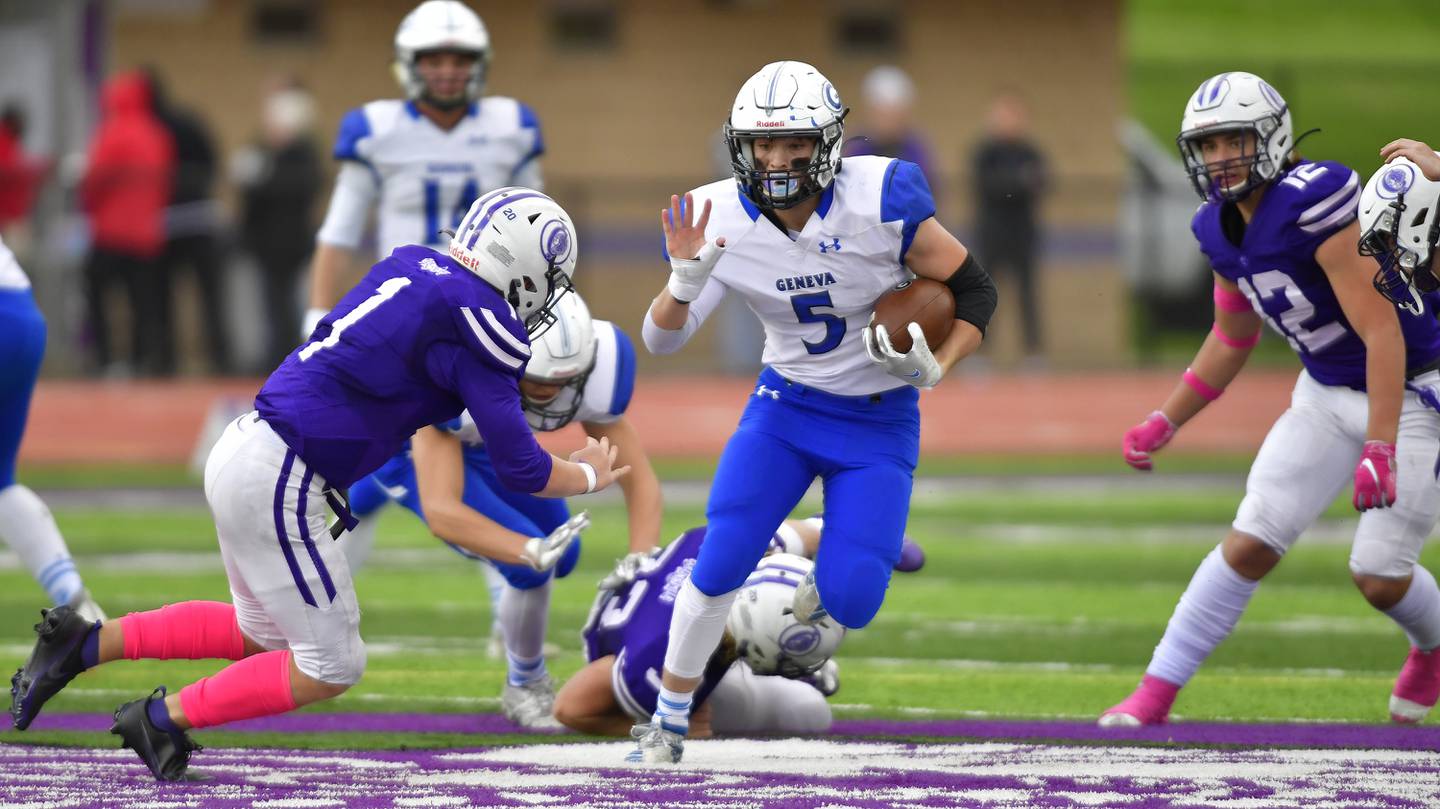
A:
{"x":1236,"y":102}
{"x":522,"y":243}
{"x":564,"y":355}
{"x":767,"y":636}
{"x":441,"y":25}
{"x":1399,"y":225}
{"x":786,"y":99}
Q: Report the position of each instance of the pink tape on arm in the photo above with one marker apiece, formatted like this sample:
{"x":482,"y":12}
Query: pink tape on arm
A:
{"x":259,"y":685}
{"x":1236,"y":342}
{"x":1231,"y":301}
{"x":190,"y":630}
{"x":1200,"y":386}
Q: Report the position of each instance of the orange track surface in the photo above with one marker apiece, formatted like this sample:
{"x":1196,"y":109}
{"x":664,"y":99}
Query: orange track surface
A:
{"x":159,"y":422}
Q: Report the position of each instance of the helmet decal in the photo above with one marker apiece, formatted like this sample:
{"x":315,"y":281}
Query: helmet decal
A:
{"x":1396,"y":180}
{"x":1271,"y":95}
{"x":555,"y":241}
{"x":1212,"y":92}
{"x":799,"y":639}
{"x":832,"y":97}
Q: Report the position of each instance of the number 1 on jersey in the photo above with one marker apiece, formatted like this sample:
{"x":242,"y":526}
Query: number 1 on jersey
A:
{"x":383,"y":293}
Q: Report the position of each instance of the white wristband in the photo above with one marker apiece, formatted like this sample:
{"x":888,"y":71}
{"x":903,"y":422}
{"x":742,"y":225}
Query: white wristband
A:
{"x":589,"y":476}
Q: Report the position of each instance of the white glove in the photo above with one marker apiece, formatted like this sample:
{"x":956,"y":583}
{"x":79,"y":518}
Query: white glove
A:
{"x":541,"y":553}
{"x":313,"y":316}
{"x":688,"y":275}
{"x":917,"y":367}
{"x":625,"y":570}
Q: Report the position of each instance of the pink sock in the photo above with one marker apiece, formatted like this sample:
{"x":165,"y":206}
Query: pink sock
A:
{"x":190,"y":630}
{"x":259,"y":685}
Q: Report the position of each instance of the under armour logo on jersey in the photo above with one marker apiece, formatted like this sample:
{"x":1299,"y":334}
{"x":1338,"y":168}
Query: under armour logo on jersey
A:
{"x":833,"y":245}
{"x":771,"y":392}
{"x":429,"y":265}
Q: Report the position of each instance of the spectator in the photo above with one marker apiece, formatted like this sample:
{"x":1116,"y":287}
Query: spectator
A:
{"x":19,"y":175}
{"x":888,"y":98}
{"x":279,"y":177}
{"x":1010,"y":178}
{"x":124,"y":192}
{"x":192,"y":231}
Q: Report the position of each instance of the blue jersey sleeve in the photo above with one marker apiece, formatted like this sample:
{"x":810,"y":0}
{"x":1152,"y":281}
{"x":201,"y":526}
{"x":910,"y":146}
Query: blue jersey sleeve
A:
{"x":624,"y":372}
{"x":354,"y":128}
{"x":905,"y":196}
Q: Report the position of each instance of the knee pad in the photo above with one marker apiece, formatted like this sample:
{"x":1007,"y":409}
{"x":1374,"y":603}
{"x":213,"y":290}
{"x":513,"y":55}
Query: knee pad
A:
{"x":342,"y":663}
{"x":853,"y":593}
{"x":568,"y":561}
{"x":522,"y":577}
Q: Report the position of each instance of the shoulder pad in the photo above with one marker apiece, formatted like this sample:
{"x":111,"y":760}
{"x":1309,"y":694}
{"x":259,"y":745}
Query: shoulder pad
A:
{"x":1320,"y":197}
{"x":494,"y":334}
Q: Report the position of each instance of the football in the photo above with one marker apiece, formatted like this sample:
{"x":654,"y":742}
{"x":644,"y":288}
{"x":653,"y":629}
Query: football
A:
{"x":918,"y":300}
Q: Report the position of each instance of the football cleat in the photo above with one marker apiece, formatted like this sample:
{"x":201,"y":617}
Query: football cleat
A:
{"x":912,"y":556}
{"x":1148,"y":704}
{"x":1417,"y":688}
{"x":531,"y":705}
{"x":806,"y":605}
{"x":166,"y":754}
{"x":655,"y":745}
{"x":52,"y":665}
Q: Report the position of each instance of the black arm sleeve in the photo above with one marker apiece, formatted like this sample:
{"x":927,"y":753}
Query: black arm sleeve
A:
{"x":975,"y":296}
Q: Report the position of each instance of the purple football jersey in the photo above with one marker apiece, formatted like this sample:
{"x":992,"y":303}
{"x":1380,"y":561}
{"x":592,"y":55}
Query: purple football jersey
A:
{"x":415,"y":342}
{"x":1274,"y":265}
{"x":633,"y":623}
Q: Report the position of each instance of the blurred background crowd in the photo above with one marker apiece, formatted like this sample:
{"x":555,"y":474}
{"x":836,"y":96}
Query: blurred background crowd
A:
{"x":164,"y":163}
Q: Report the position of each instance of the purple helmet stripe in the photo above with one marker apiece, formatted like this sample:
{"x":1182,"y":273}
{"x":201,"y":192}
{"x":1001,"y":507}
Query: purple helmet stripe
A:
{"x":769,"y":565}
{"x":757,"y":578}
{"x":1219,"y":83}
{"x":476,"y":208}
{"x":489,"y":212}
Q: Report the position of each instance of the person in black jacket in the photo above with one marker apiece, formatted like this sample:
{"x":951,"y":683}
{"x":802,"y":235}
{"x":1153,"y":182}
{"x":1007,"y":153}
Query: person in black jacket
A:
{"x":1010,"y":178}
{"x":192,"y":235}
{"x":280,"y":175}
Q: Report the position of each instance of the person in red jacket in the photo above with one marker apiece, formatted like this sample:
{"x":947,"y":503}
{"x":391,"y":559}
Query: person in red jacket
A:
{"x":20,"y":175}
{"x":124,"y":193}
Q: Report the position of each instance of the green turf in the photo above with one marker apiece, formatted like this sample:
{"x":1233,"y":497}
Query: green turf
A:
{"x":1363,"y":72}
{"x":1032,"y":605}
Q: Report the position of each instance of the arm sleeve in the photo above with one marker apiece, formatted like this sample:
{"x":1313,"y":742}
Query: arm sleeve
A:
{"x":666,"y":341}
{"x":350,"y":203}
{"x":905,"y":196}
{"x":492,"y":398}
{"x":527,"y":172}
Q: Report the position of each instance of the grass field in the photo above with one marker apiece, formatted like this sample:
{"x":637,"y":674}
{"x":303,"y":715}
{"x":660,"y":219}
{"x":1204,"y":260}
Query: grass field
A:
{"x":1039,"y":601}
{"x":1360,"y":71}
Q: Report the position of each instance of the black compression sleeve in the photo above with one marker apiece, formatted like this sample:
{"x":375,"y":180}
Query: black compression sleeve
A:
{"x":974,"y":292}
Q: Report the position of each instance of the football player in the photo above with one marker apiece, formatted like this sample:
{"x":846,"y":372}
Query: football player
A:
{"x":25,"y":523}
{"x":419,"y":163}
{"x":809,"y":243}
{"x":580,"y":370}
{"x":1281,"y":234}
{"x":770,"y":674}
{"x":423,"y":336}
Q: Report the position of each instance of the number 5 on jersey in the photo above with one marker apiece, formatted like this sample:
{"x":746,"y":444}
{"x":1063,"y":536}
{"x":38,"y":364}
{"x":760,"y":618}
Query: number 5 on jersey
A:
{"x":805,"y":311}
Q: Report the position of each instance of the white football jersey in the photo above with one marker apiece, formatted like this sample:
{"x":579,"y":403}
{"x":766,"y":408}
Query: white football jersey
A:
{"x":815,"y":293}
{"x":11,"y":276}
{"x":426,"y":177}
{"x":607,"y":392}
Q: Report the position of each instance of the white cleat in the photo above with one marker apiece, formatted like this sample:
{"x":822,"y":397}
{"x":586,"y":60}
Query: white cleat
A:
{"x":85,"y":606}
{"x":531,"y":705}
{"x":655,"y":745}
{"x":1119,"y":720}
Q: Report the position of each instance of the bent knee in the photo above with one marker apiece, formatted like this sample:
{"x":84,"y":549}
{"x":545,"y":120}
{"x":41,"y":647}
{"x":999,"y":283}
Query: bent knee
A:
{"x":337,"y":667}
{"x":1251,"y":556}
{"x":1382,"y":592}
{"x":853,"y":596}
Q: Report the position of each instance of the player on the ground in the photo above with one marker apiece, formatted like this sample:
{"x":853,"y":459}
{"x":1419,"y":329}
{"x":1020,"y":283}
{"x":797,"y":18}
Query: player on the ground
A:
{"x":1280,"y":233}
{"x":421,"y":337}
{"x":420,"y":162}
{"x":580,"y":370}
{"x":787,"y":671}
{"x":809,"y":243}
{"x":25,"y":523}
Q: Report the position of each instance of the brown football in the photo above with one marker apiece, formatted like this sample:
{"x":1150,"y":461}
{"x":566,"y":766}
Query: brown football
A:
{"x":919,"y":300}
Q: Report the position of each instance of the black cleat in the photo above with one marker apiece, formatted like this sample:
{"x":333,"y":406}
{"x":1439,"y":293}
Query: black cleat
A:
{"x":52,"y":665}
{"x":166,"y":754}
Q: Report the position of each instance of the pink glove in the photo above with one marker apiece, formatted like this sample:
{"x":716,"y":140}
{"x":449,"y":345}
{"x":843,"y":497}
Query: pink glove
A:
{"x":1375,"y":476}
{"x":1146,"y":437}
